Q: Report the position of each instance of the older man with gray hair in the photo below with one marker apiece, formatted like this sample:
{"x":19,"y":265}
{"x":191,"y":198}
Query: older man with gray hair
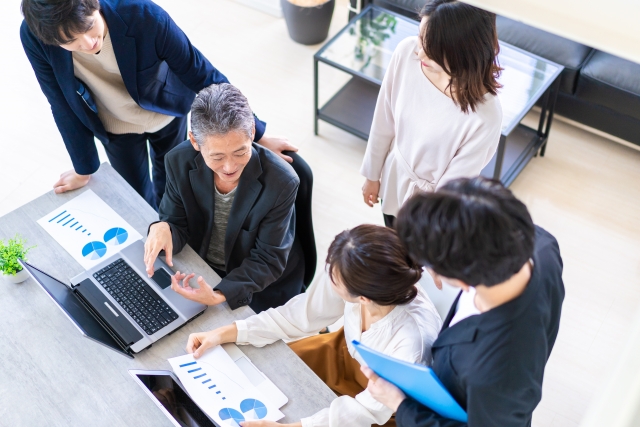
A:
{"x":232,"y":201}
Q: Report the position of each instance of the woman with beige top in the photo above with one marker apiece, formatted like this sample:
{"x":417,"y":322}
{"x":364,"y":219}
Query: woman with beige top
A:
{"x":437,"y":116}
{"x":371,"y":281}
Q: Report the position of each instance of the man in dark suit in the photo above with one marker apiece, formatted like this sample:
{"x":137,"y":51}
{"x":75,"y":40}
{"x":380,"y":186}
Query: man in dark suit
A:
{"x":233,"y":202}
{"x":123,"y":72}
{"x":495,"y":342}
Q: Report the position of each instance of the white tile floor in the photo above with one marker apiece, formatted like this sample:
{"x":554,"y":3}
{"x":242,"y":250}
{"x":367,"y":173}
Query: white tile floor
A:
{"x":586,"y":190}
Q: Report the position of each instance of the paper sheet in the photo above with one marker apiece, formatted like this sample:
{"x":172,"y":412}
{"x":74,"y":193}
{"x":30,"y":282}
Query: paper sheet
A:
{"x":220,"y":389}
{"x":89,"y":229}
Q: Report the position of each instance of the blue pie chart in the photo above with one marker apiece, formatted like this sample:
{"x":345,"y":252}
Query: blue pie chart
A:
{"x":116,"y":236}
{"x":94,"y":250}
{"x":231,"y":416}
{"x":253,"y":409}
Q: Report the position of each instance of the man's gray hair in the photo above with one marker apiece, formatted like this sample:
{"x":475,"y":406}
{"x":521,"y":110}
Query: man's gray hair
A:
{"x":218,"y":110}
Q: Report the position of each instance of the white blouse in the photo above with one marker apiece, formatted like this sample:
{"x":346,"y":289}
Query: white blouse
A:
{"x":419,"y":138}
{"x":406,"y":333}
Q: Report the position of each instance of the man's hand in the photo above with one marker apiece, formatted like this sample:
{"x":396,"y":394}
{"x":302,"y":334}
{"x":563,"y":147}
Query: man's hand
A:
{"x":70,"y":180}
{"x":370,"y":191}
{"x":204,"y":294}
{"x":278,"y":144}
{"x":383,"y":391}
{"x":201,"y":341}
{"x":159,"y":239}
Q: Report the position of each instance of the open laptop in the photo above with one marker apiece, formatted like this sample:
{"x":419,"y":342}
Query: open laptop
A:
{"x":117,"y":305}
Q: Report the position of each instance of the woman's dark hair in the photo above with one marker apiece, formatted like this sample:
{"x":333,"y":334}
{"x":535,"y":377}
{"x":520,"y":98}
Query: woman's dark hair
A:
{"x":370,"y":261}
{"x":463,"y":40}
{"x":55,"y":22}
{"x":473,"y":230}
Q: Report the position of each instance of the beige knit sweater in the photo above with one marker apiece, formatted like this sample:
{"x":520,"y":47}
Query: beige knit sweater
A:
{"x":118,"y":112}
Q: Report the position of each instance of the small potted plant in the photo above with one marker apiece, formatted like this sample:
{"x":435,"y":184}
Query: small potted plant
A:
{"x":10,"y":252}
{"x":308,"y":20}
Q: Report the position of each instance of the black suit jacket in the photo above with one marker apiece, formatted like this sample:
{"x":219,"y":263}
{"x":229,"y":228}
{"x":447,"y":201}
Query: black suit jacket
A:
{"x":261,"y":228}
{"x":493,"y":363}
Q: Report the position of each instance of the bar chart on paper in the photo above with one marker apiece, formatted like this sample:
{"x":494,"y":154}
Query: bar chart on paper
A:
{"x":222,"y":390}
{"x":88,"y":229}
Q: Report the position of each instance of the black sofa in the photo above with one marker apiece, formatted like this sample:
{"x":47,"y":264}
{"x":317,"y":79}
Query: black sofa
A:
{"x":597,"y":89}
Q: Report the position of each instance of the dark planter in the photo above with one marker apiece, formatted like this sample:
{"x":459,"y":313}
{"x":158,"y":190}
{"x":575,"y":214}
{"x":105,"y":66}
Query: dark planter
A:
{"x":308,"y":25}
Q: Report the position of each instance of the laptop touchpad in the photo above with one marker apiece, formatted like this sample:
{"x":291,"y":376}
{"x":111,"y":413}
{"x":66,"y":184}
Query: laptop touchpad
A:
{"x":162,"y":278}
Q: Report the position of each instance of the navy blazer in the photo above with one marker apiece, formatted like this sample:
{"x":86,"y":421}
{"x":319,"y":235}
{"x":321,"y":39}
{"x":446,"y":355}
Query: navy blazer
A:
{"x":161,"y":70}
{"x":493,"y":363}
{"x":260,"y":253}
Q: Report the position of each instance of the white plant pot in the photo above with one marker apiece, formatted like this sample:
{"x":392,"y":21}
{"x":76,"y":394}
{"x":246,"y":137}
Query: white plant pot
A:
{"x":19,"y":277}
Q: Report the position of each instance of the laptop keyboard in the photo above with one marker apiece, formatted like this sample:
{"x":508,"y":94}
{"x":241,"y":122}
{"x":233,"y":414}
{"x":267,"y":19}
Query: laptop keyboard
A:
{"x":137,"y":298}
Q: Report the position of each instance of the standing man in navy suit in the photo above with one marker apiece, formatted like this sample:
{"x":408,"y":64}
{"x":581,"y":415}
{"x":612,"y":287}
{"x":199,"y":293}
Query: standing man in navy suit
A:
{"x":123,"y":72}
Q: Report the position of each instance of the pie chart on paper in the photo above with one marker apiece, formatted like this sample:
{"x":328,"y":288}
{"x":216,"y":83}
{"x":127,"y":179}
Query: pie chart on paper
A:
{"x":94,"y":250}
{"x":116,"y":236}
{"x":253,"y":409}
{"x":231,"y":417}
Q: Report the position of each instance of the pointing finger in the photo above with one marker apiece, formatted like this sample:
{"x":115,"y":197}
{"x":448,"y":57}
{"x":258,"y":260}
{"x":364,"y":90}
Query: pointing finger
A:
{"x":168,"y":253}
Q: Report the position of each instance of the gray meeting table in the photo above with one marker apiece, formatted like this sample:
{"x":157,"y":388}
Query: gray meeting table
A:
{"x":50,"y":375}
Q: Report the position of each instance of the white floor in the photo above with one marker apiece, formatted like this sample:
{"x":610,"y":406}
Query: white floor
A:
{"x":586,"y":190}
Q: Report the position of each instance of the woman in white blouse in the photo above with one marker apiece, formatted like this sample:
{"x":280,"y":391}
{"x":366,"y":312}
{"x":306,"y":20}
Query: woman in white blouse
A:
{"x":371,"y":281}
{"x":437,"y":116}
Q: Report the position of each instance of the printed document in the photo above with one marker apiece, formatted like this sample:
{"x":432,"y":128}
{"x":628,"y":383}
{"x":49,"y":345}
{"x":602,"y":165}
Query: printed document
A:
{"x":222,"y":390}
{"x":89,"y":229}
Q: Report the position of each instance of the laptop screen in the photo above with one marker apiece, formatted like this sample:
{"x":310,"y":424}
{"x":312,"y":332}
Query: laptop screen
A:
{"x":75,"y":311}
{"x":175,"y":400}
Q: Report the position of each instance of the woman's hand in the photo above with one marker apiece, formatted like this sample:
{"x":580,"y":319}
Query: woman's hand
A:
{"x":199,"y":342}
{"x":370,"y":191}
{"x":204,"y":294}
{"x":383,"y":391}
{"x":278,"y":144}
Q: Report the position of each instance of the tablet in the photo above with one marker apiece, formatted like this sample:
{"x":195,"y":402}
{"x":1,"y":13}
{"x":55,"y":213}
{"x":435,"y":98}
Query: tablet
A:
{"x":165,"y":389}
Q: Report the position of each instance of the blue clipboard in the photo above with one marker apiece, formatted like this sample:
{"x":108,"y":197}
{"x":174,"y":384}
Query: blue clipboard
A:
{"x":417,"y":381}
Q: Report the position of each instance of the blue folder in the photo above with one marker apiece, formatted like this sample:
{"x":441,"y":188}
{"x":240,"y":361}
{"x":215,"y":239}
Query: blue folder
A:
{"x":417,"y":381}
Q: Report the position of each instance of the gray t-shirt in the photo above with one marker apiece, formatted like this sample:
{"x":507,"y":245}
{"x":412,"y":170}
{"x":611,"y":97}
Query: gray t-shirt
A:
{"x":223,"y":203}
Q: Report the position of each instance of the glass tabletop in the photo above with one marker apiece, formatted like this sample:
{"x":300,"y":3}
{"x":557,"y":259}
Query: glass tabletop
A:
{"x":366,"y":44}
{"x":364,"y":48}
{"x":524,"y":79}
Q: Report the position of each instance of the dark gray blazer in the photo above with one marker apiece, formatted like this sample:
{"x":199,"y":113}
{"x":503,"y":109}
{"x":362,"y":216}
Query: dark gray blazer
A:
{"x":262,"y":270}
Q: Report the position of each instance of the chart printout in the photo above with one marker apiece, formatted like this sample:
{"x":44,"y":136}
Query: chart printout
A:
{"x":222,"y":390}
{"x":88,"y":229}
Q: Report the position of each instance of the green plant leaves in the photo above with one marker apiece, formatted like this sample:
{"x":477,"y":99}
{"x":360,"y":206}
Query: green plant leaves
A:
{"x":373,"y":32}
{"x":10,"y":252}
